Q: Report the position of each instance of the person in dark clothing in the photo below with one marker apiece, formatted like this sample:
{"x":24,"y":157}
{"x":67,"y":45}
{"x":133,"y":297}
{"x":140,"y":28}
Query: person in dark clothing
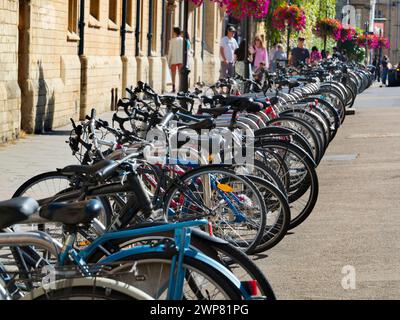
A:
{"x":241,"y":51}
{"x":385,"y":70}
{"x":300,"y":54}
{"x":338,"y":54}
{"x":376,"y":63}
{"x":240,"y":57}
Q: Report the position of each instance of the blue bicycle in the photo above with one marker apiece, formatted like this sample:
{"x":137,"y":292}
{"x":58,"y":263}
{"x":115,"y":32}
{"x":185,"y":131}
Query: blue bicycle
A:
{"x":164,"y":269}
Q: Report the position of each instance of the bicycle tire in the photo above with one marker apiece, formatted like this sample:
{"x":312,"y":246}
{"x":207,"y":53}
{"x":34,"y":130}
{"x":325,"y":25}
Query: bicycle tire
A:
{"x":213,"y":169}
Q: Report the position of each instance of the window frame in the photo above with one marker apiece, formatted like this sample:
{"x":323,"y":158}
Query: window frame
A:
{"x":72,"y":16}
{"x":113,"y":10}
{"x":97,"y":14}
{"x":154,"y":42}
{"x":129,"y":13}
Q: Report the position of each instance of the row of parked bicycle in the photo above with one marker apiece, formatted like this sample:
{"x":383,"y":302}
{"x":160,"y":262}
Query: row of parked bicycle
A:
{"x":171,"y":201}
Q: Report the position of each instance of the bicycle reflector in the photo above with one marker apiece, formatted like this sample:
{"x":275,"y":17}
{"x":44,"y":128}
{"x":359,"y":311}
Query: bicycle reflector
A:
{"x":84,"y":243}
{"x":251,"y":287}
{"x":210,"y":229}
{"x":271,"y":113}
{"x":224,"y":187}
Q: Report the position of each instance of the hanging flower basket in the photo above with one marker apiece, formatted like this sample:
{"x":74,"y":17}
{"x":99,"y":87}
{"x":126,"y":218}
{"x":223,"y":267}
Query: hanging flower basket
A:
{"x":289,"y":16}
{"x":347,"y":34}
{"x":328,"y":28}
{"x":383,"y":43}
{"x":369,"y":41}
{"x":240,"y":9}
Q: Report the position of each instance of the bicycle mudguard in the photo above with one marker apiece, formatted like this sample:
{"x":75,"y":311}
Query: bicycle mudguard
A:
{"x":196,"y":233}
{"x":115,"y":285}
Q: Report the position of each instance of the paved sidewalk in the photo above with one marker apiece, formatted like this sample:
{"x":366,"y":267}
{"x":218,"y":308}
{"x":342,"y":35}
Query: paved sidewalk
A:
{"x":357,"y":219}
{"x":32,"y":155}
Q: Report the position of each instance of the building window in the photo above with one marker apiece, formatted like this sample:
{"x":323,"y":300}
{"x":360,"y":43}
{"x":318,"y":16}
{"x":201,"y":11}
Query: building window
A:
{"x":112,"y":10}
{"x":155,"y":24}
{"x":142,"y":25}
{"x":73,"y":16}
{"x":95,"y":9}
{"x":129,"y":13}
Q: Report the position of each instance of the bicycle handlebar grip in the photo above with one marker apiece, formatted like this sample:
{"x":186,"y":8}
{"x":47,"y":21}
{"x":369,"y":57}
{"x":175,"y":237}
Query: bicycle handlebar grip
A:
{"x":107,"y":171}
{"x":130,"y":91}
{"x":73,"y":123}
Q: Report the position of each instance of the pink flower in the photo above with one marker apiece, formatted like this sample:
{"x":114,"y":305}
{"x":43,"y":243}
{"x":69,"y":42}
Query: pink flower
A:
{"x":291,"y":16}
{"x":242,"y":8}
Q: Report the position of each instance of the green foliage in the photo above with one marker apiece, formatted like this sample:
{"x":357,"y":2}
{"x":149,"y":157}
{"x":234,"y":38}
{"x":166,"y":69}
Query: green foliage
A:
{"x":313,"y":9}
{"x":353,"y":51}
{"x":273,"y":35}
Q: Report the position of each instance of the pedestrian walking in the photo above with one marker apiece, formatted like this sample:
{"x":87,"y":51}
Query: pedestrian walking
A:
{"x":377,"y":65}
{"x":185,"y":35}
{"x":227,"y":52}
{"x":279,"y":58}
{"x":300,"y":54}
{"x":271,"y":55}
{"x":259,"y":54}
{"x":175,"y":55}
{"x":385,"y":70}
{"x":338,"y":54}
{"x":240,"y":57}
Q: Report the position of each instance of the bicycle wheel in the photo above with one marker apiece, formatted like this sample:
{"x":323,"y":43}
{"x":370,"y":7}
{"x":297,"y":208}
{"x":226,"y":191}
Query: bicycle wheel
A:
{"x":336,"y":100}
{"x":259,"y":169}
{"x":231,"y":202}
{"x":45,"y":187}
{"x":151,"y":272}
{"x":303,"y":128}
{"x":232,"y":258}
{"x":278,"y":214}
{"x":289,"y":159}
{"x":314,"y":121}
{"x":87,"y":289}
{"x":330,"y":111}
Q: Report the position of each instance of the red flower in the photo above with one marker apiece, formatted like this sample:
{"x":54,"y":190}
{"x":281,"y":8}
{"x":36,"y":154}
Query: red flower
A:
{"x":242,"y":8}
{"x":328,"y":27}
{"x":291,"y":16}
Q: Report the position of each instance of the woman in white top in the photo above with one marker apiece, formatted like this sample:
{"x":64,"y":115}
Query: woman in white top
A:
{"x":175,"y":55}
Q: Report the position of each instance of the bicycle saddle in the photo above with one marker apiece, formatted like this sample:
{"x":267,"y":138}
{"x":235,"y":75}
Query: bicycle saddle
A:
{"x":72,"y":213}
{"x":83,"y":169}
{"x":16,"y":210}
{"x":215,"y":112}
{"x":208,"y":100}
{"x":206,"y":124}
{"x":181,"y":97}
{"x":293,"y":84}
{"x":241,"y":104}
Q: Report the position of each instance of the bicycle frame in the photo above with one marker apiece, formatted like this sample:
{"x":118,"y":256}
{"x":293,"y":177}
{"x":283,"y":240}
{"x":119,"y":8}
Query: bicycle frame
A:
{"x":182,"y":245}
{"x":181,"y":249}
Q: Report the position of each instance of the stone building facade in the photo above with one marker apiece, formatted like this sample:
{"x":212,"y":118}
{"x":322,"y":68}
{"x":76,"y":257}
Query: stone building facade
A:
{"x":60,"y":58}
{"x":10,"y":93}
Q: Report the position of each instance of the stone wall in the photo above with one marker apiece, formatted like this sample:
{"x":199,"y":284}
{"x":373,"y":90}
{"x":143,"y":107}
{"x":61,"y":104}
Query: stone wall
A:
{"x":10,"y":94}
{"x":44,"y":81}
{"x":49,"y":68}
